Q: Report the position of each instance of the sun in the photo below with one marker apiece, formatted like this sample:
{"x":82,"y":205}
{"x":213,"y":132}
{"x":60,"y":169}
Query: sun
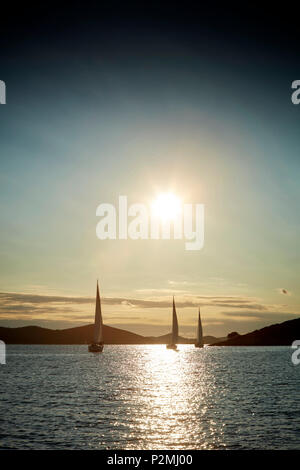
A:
{"x":166,"y":206}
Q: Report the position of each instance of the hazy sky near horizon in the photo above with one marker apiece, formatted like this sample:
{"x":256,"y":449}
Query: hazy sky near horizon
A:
{"x":137,"y":109}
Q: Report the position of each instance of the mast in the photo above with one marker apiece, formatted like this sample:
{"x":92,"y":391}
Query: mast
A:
{"x":199,"y":330}
{"x":98,"y":328}
{"x":174,"y":325}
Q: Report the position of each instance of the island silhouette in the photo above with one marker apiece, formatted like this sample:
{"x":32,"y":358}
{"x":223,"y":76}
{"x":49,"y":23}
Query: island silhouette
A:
{"x":274,"y":335}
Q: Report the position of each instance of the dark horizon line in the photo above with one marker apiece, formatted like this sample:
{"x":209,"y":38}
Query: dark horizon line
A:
{"x":137,"y":334}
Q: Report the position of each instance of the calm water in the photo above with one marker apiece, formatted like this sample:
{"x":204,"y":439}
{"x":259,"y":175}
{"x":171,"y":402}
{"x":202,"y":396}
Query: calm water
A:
{"x":148,"y":397}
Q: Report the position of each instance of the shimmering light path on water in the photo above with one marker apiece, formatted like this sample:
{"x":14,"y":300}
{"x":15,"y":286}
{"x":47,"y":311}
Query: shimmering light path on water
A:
{"x":148,"y":397}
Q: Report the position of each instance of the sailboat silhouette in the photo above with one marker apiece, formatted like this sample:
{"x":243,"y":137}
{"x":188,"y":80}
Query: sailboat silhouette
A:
{"x":97,"y":344}
{"x":199,"y":342}
{"x":174,"y":337}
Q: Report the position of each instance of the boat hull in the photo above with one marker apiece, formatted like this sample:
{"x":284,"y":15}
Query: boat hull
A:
{"x":171,"y":346}
{"x":96,"y":348}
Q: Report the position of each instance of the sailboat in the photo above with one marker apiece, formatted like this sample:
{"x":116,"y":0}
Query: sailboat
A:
{"x":199,"y":342}
{"x":97,"y":344}
{"x":174,"y":339}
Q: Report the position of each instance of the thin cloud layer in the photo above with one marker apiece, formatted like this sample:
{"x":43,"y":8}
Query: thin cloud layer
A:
{"x":271,"y":316}
{"x":22,"y":302}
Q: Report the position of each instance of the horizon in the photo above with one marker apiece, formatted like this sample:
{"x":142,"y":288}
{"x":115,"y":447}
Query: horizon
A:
{"x":145,"y":336}
{"x":185,"y":330}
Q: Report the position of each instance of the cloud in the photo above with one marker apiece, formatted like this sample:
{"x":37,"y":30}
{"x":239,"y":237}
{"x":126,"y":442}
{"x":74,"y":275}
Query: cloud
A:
{"x":36,"y":299}
{"x":181,"y":283}
{"x":262,"y":316}
{"x":162,"y":291}
{"x":18,"y":302}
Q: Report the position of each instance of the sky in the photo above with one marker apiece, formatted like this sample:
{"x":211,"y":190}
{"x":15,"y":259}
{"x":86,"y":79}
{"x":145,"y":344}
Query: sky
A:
{"x":139,"y":103}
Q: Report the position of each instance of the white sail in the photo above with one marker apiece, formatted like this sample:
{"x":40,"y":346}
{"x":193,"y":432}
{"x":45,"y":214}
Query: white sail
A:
{"x":199,"y":331}
{"x":174,"y":325}
{"x":98,"y":328}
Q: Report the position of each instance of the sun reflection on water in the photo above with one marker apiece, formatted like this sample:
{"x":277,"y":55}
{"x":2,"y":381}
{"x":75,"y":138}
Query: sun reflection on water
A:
{"x":174,"y":390}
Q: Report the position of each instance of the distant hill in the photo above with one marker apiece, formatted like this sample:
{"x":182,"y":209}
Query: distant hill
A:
{"x":83,"y":335}
{"x":282,"y":334}
{"x":167,"y":339}
{"x":77,"y":335}
{"x":274,"y":335}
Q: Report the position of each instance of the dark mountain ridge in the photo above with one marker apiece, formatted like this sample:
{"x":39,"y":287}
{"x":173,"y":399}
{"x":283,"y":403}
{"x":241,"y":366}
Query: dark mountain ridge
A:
{"x":83,"y":335}
{"x":274,"y":335}
{"x":280,"y":334}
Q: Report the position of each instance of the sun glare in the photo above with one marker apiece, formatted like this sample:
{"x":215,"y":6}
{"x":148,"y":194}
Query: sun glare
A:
{"x":166,"y":206}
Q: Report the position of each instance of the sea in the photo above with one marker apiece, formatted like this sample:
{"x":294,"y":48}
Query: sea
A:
{"x":149,"y":397}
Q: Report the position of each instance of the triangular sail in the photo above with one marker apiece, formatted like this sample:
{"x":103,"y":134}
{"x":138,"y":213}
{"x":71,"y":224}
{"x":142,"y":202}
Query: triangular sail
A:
{"x":98,"y":328}
{"x":199,"y":331}
{"x":174,"y":325}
